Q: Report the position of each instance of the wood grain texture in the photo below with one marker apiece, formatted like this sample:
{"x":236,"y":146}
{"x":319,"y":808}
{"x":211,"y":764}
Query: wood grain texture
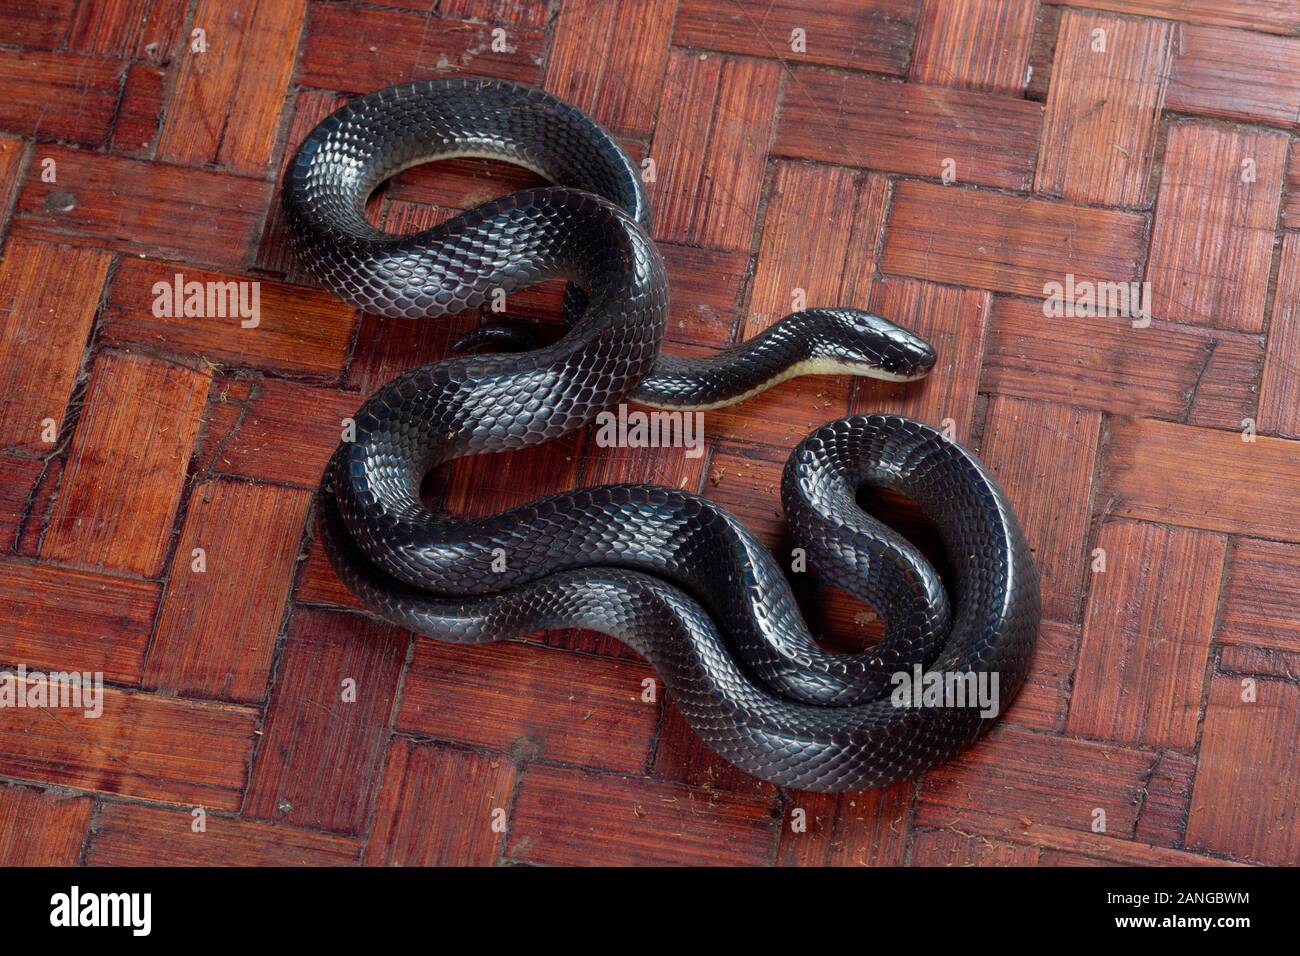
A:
{"x":974,"y":44}
{"x":1146,"y":636}
{"x":385,"y":348}
{"x":1163,"y":817}
{"x":608,"y":59}
{"x":549,"y":703}
{"x":144,"y":746}
{"x":33,"y":519}
{"x":709,"y":174}
{"x":1064,"y":846}
{"x":705,"y":287}
{"x":1247,"y":661}
{"x":332,"y":707}
{"x":1279,"y":386}
{"x":871,"y":204}
{"x":1291,"y":191}
{"x":318,"y":584}
{"x":1225,"y":396}
{"x":1046,"y":242}
{"x":1208,"y":479}
{"x":515,"y":12}
{"x":55,"y":96}
{"x":128,"y":29}
{"x":786,"y":146}
{"x":48,"y":297}
{"x":951,"y":848}
{"x":306,"y":331}
{"x":246,"y":537}
{"x":1014,"y":780}
{"x":60,"y":618}
{"x":399,"y":47}
{"x":136,"y":835}
{"x":1103,"y":110}
{"x":675,"y":467}
{"x":769,"y":425}
{"x":1235,"y":74}
{"x":1275,"y":16}
{"x":1042,"y":49}
{"x":140,"y":111}
{"x":483,"y":485}
{"x":681,"y":756}
{"x":875,"y":35}
{"x":273,"y":252}
{"x":287,"y":433}
{"x":33,"y":23}
{"x":18,"y":480}
{"x":441,"y":806}
{"x":1044,"y":699}
{"x":1248,"y":754}
{"x":1043,"y":456}
{"x":913,"y":129}
{"x":807,"y":231}
{"x":228,"y":399}
{"x":165,"y":212}
{"x":1211,"y":244}
{"x":226,"y":101}
{"x":573,"y":817}
{"x":1259,"y":609}
{"x":749,"y":486}
{"x":453,"y":185}
{"x":1081,"y":850}
{"x":853,"y":829}
{"x":13,"y":154}
{"x":129,"y":455}
{"x":1106,"y":363}
{"x":41,"y":827}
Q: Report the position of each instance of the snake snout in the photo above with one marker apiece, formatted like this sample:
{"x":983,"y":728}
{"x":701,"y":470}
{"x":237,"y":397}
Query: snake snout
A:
{"x":925,"y":356}
{"x":874,"y":346}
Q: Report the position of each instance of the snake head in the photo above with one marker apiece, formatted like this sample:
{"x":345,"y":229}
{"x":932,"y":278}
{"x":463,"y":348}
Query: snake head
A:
{"x":860,"y":343}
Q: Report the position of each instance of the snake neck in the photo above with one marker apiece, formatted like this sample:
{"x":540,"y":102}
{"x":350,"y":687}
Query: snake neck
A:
{"x":811,"y":342}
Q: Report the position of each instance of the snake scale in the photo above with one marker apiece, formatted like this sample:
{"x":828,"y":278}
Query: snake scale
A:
{"x":673,"y":575}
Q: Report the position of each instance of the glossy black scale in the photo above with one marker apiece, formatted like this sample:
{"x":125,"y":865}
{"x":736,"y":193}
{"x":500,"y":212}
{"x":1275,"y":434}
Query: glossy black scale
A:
{"x":673,"y":575}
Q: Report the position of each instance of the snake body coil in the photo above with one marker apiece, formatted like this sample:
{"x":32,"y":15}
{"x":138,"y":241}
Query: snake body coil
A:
{"x":673,"y":575}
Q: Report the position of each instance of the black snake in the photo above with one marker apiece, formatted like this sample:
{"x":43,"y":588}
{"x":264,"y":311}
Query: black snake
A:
{"x":673,"y":575}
